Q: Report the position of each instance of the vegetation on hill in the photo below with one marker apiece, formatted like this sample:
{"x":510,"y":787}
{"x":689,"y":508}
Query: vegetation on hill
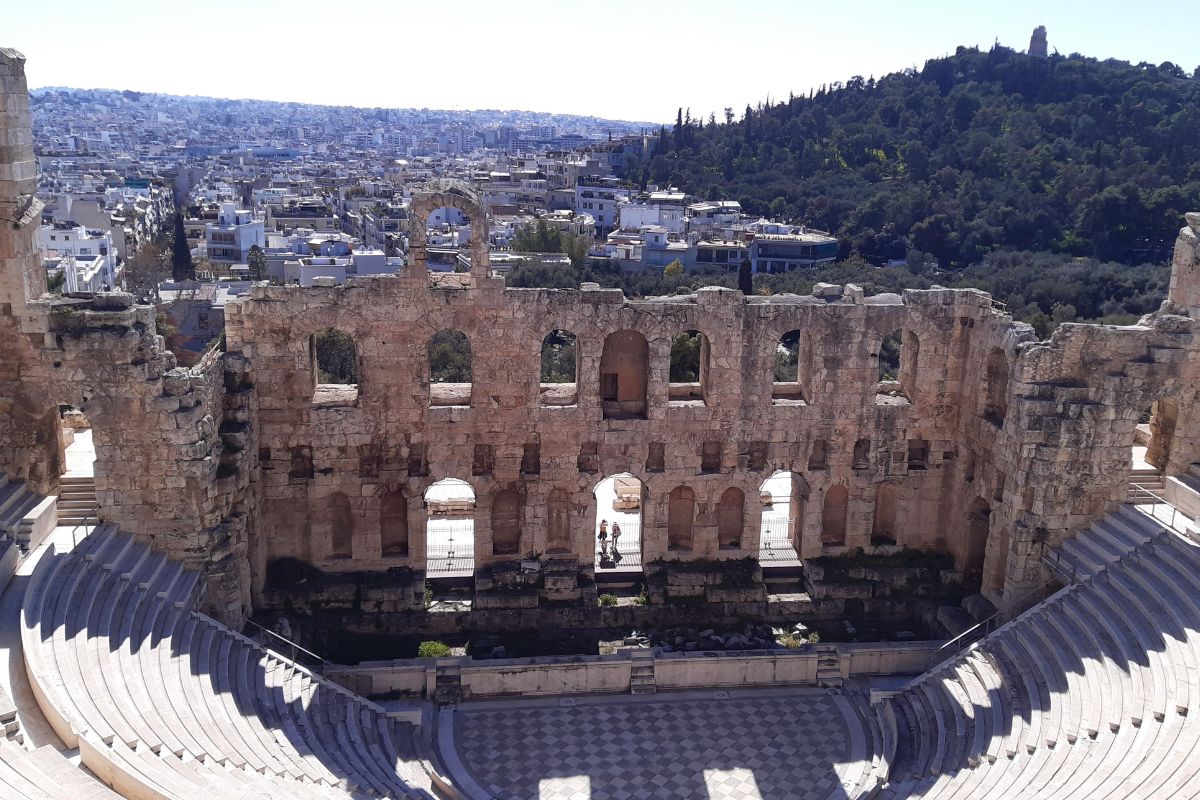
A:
{"x":1056,"y":184}
{"x":1043,"y":289}
{"x":976,"y":152}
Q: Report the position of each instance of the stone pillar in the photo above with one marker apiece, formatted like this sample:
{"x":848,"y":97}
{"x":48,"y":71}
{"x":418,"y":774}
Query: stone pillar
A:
{"x":1184,"y":295}
{"x":22,"y":277}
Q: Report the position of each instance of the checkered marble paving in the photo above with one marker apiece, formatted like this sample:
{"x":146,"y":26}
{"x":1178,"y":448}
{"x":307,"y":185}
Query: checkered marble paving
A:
{"x":743,"y":748}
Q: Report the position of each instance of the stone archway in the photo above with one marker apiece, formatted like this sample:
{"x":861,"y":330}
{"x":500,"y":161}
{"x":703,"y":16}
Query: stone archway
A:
{"x":448,"y":194}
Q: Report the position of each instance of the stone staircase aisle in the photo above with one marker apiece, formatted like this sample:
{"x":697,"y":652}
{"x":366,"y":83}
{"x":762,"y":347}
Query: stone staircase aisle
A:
{"x":77,"y":500}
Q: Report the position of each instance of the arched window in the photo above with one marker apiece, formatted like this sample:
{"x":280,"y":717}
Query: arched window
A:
{"x":995,"y":407}
{"x":883,"y":521}
{"x":688,"y":377}
{"x":624,"y":370}
{"x":890,"y":390}
{"x":558,"y":522}
{"x":393,"y":524}
{"x":794,"y":370}
{"x":341,"y":520}
{"x":681,"y":511}
{"x":731,"y":514}
{"x":450,"y":369}
{"x":560,"y":364}
{"x":335,"y":367}
{"x":506,"y":522}
{"x":833,"y":516}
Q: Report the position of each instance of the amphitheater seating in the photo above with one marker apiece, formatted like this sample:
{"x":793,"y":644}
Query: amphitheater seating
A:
{"x":45,"y":774}
{"x":166,"y":700}
{"x":1092,"y":694}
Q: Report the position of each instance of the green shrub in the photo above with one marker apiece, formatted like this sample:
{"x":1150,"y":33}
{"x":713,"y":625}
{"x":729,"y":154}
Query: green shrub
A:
{"x":608,"y":599}
{"x":433,"y":650}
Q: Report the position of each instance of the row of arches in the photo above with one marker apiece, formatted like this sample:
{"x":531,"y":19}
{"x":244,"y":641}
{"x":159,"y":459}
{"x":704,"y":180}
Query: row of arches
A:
{"x":620,"y":500}
{"x":624,"y":365}
{"x":450,"y":507}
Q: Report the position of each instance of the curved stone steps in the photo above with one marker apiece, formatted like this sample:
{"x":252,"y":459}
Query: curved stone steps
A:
{"x":158,"y":691}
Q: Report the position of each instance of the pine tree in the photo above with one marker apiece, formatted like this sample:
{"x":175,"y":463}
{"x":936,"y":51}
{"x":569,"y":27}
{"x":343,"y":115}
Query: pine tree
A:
{"x":181,"y":253}
{"x":745,"y":277}
{"x":256,"y":260}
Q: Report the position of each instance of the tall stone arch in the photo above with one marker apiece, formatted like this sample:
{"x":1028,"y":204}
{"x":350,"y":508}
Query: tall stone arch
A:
{"x":448,"y":194}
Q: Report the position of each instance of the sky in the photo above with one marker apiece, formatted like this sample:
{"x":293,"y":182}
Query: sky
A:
{"x":620,"y":59}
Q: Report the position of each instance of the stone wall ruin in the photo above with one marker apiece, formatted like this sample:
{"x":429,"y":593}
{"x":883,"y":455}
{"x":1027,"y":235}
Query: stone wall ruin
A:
{"x":988,"y":444}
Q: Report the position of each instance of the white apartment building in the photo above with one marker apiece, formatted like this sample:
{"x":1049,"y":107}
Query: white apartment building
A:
{"x":86,"y":256}
{"x":600,"y":199}
{"x":635,"y":216}
{"x":230,"y":238}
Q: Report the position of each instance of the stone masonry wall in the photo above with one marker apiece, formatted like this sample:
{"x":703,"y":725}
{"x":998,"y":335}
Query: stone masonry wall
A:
{"x":162,"y":469}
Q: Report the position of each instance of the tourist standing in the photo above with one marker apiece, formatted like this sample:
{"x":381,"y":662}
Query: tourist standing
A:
{"x":603,"y":537}
{"x":616,"y":534}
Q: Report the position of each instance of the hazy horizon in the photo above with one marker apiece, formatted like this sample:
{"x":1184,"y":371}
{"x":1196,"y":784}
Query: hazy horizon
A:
{"x":624,"y":61}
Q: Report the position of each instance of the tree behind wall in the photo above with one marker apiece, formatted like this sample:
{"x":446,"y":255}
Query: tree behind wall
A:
{"x":257,"y":262}
{"x":181,"y":253}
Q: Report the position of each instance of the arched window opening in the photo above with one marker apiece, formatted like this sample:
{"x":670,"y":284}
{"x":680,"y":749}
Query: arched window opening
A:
{"x":450,"y":369}
{"x":393,"y":524}
{"x":560,"y":365}
{"x":624,"y":371}
{"x":883,"y":521}
{"x":507,"y":507}
{"x":979,"y":520}
{"x":833,"y":516}
{"x":448,"y":240}
{"x":794,"y":370}
{"x":681,"y":513}
{"x":782,"y":519}
{"x":450,"y":529}
{"x":995,"y":406}
{"x":335,"y":367}
{"x":341,"y":526}
{"x":688,"y":378}
{"x":558,"y":522}
{"x":731,"y":516}
{"x":889,"y":390}
{"x":617,"y":529}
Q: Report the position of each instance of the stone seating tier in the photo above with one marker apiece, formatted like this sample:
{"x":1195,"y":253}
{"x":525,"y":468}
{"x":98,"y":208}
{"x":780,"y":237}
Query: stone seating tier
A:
{"x":1090,"y":694}
{"x":166,"y":702}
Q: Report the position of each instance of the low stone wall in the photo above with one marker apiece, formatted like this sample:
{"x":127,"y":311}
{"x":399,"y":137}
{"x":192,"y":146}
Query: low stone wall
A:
{"x":565,"y":675}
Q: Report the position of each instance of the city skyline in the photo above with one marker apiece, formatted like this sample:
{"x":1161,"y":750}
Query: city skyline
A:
{"x":633,"y":62}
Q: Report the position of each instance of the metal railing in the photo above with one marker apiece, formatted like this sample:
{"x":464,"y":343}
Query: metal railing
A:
{"x":93,"y":514}
{"x":450,"y":547}
{"x":776,"y":543}
{"x":288,"y":649}
{"x":1160,"y":509}
{"x":1058,"y":563}
{"x":990,"y":624}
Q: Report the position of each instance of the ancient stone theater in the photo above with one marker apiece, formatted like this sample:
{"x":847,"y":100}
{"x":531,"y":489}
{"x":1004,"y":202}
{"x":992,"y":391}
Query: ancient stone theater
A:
{"x":1051,"y":483}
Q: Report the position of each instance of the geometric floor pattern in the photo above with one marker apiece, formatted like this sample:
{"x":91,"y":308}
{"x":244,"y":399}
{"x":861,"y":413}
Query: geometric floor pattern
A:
{"x":795,"y":746}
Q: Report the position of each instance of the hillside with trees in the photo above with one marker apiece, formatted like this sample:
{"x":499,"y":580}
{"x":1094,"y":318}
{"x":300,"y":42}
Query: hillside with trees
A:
{"x":974,"y":153}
